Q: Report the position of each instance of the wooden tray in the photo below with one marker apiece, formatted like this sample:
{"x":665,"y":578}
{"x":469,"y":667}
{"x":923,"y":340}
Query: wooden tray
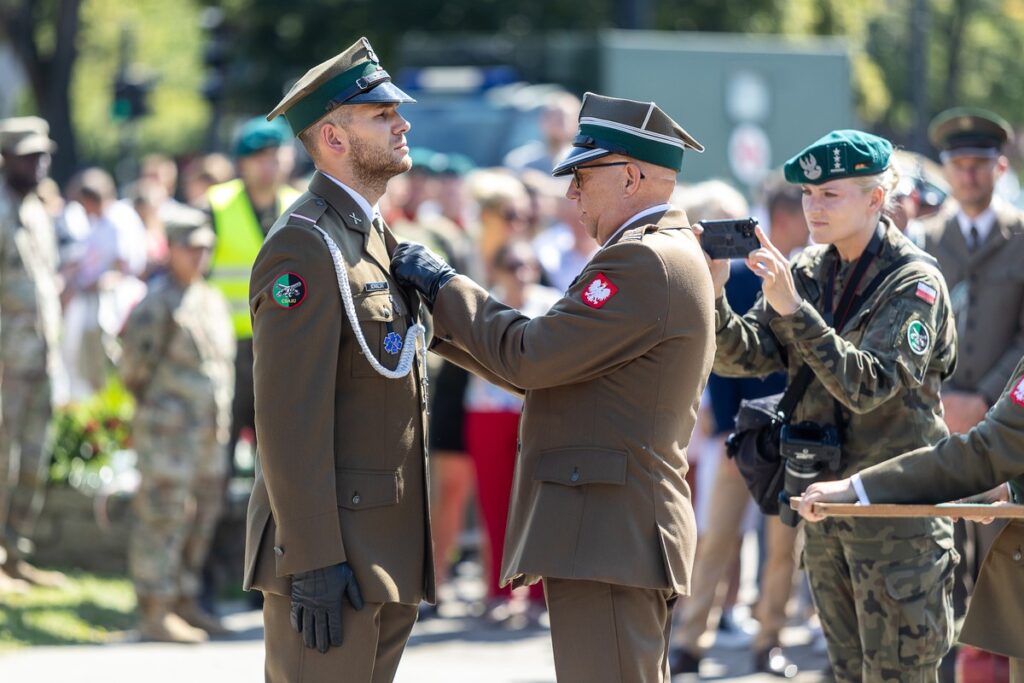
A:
{"x":961,"y":510}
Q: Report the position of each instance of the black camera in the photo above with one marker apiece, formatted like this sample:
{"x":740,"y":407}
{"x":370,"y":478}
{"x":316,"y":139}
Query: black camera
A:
{"x":729,"y":238}
{"x":809,"y":449}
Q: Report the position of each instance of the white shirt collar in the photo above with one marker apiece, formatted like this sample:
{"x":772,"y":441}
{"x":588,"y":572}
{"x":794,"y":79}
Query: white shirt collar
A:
{"x":983,"y":222}
{"x":371,"y":212}
{"x":660,"y":208}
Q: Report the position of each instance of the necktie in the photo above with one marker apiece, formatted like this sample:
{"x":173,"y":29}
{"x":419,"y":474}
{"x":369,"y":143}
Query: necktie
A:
{"x":975,"y":241}
{"x":378,"y":224}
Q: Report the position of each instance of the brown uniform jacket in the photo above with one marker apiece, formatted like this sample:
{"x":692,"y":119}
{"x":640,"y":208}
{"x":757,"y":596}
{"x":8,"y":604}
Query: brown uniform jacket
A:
{"x":341,"y":468}
{"x":612,"y":377}
{"x":962,"y":465}
{"x":987,"y":293}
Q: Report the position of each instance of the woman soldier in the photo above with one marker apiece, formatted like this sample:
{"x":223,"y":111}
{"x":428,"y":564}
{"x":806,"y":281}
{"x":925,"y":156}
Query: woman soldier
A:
{"x":869,"y":315}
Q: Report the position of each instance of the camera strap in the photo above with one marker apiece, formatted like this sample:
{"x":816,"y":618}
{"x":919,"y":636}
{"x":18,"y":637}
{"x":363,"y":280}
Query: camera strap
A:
{"x":837,"y":317}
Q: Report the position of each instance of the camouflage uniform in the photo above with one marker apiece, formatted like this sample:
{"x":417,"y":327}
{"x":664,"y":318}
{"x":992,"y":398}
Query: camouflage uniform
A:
{"x":178,"y":361}
{"x":882,"y":587}
{"x":29,"y":329}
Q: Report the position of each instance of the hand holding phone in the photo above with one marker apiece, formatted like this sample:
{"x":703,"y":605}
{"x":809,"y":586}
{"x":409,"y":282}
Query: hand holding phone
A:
{"x":729,"y":238}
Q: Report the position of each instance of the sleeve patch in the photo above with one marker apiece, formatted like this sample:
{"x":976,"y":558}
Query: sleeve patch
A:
{"x":599,"y":291}
{"x":1017,"y":394}
{"x":918,"y":338}
{"x":926,"y":293}
{"x":289,"y":290}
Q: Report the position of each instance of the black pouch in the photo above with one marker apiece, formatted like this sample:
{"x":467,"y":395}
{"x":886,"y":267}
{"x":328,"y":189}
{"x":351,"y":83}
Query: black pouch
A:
{"x":755,"y":443}
{"x":755,"y":448}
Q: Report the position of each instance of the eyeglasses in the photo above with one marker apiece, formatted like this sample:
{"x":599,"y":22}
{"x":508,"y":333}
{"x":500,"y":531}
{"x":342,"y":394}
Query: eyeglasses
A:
{"x":576,"y":170}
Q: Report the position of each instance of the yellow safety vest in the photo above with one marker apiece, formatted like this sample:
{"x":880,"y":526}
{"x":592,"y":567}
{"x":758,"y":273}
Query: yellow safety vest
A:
{"x":239,"y":238}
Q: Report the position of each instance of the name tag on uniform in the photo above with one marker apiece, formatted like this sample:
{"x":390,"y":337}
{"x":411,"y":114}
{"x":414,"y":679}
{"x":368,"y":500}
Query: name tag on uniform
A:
{"x":375,"y":287}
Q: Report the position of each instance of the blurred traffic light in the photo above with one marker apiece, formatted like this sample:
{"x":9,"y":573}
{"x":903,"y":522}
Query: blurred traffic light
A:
{"x":131,"y":97}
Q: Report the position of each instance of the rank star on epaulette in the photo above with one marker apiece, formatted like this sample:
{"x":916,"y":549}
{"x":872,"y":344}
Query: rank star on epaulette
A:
{"x":289,"y":290}
{"x":1017,"y":393}
{"x":599,"y":291}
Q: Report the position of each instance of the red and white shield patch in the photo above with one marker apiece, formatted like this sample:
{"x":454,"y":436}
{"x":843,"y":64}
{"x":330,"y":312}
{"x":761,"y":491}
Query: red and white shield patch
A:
{"x":599,"y":291}
{"x":1017,"y":393}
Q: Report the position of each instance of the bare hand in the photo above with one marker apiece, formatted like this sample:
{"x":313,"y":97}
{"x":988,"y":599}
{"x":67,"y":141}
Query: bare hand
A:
{"x":777,"y":285}
{"x":719,"y":267}
{"x":963,"y":410}
{"x":1000,"y":495}
{"x":841,"y":491}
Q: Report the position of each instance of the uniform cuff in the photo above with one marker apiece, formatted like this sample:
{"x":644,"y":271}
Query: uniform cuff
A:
{"x":723,"y":311}
{"x":858,"y":486}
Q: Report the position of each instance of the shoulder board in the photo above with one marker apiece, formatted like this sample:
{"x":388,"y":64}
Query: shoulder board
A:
{"x":637,"y":234}
{"x":306,"y":212}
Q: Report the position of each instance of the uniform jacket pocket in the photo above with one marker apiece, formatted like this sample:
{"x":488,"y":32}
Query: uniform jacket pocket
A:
{"x":362,"y":489}
{"x":579,"y":466}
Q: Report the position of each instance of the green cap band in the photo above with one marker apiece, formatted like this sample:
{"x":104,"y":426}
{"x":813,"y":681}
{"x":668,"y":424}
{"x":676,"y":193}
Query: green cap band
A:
{"x":636,"y":145}
{"x":309,"y":109}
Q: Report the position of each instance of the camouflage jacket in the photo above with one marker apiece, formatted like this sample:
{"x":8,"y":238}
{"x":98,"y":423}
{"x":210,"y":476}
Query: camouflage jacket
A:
{"x":885,"y":367}
{"x":29,"y":286}
{"x":178,"y":350}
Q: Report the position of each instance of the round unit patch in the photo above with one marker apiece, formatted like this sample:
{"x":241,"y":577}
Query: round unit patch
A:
{"x":289,"y":290}
{"x":918,"y":337}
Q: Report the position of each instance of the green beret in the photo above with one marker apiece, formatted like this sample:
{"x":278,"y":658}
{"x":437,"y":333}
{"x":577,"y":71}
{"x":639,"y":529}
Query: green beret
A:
{"x":353,"y":77}
{"x":257,"y":134}
{"x":610,"y":125}
{"x":457,"y":165}
{"x":425,"y":160}
{"x":968,"y":131}
{"x":840,"y":154}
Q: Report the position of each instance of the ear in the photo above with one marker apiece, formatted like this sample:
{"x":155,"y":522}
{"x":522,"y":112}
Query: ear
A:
{"x":877,"y":197}
{"x":632,"y":185}
{"x":333,"y":138}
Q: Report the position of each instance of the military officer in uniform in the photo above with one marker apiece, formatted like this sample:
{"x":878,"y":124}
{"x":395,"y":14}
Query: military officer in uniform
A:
{"x":978,"y":240}
{"x":177,"y":359}
{"x":612,"y":376}
{"x":867,"y":314}
{"x":29,"y":330}
{"x":338,"y":531}
{"x":962,"y":465}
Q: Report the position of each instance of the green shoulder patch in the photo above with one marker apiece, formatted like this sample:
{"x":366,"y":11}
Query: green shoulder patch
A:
{"x":918,"y":337}
{"x":289,"y":290}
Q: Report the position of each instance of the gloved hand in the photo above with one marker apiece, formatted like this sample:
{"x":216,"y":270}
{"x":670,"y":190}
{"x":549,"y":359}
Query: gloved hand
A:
{"x":316,"y":604}
{"x":414,"y":264}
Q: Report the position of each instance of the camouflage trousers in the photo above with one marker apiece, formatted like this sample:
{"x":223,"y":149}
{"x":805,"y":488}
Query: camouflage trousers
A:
{"x":25,"y":418}
{"x":883,"y":591}
{"x":176,"y":509}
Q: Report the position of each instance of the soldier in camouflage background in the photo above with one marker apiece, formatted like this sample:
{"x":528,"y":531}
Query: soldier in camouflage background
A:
{"x":881,"y":586}
{"x":29,"y":329}
{"x":178,"y":354}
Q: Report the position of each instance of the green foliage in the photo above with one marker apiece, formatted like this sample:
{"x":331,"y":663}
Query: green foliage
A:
{"x":168,"y":44}
{"x":87,"y":434}
{"x":88,"y":609}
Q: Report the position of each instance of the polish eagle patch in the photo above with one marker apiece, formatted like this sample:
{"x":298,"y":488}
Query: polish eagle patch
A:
{"x":599,"y":291}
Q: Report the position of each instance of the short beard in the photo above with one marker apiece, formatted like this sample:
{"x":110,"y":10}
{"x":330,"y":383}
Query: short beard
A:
{"x":373,"y":167}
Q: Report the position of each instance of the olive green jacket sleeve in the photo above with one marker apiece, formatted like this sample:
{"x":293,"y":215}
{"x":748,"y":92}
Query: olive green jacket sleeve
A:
{"x":573,"y":342}
{"x":864,"y":376}
{"x":464,"y":360}
{"x":294,"y":375}
{"x":962,"y":464}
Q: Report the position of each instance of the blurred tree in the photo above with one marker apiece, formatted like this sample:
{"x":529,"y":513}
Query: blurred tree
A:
{"x":44,"y":36}
{"x":69,"y":48}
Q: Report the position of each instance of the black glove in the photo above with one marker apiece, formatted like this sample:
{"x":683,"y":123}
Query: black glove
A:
{"x":316,"y":604}
{"x":414,"y":264}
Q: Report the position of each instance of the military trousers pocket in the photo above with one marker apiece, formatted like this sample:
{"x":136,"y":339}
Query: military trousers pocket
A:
{"x":918,"y":596}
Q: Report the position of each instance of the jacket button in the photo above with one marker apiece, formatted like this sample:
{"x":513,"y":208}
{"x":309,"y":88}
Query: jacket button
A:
{"x":1017,"y":556}
{"x":278,"y":551}
{"x":575,"y":476}
{"x":319,"y":202}
{"x":386,"y":313}
{"x":356,"y":499}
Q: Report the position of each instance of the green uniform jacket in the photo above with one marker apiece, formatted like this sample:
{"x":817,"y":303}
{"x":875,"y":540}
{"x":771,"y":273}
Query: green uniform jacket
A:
{"x":612,"y":377}
{"x":885,"y":367}
{"x":963,"y":465}
{"x":341,"y":465}
{"x":987,"y":291}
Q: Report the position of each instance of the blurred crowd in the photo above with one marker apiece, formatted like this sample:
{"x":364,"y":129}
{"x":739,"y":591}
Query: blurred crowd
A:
{"x":510,"y":228}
